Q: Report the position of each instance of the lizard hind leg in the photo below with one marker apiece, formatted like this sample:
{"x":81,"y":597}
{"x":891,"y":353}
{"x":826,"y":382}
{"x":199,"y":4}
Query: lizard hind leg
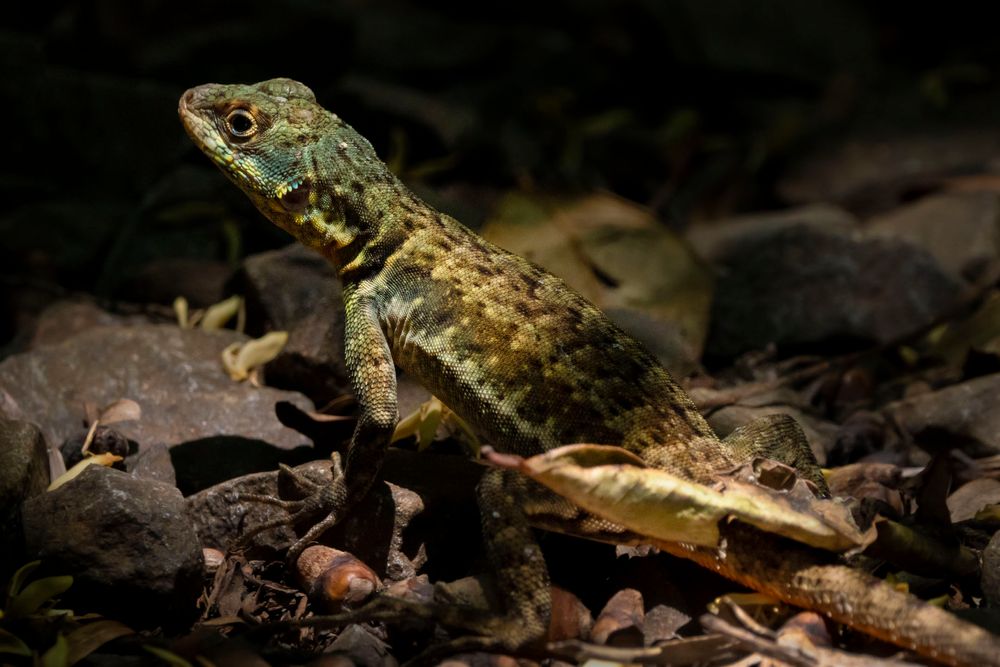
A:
{"x":516,"y":560}
{"x":777,"y":437}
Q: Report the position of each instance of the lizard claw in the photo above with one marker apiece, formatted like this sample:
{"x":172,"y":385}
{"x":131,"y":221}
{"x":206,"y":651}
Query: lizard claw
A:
{"x":321,"y":500}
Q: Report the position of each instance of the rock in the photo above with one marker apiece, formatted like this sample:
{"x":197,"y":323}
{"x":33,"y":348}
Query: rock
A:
{"x":153,"y":463}
{"x":875,"y":173}
{"x":174,"y":374}
{"x":963,"y":416}
{"x":961,"y":229}
{"x":991,"y":570}
{"x":127,"y":542}
{"x":296,"y":290}
{"x":65,"y":319}
{"x":721,"y":238}
{"x":200,"y":281}
{"x":24,"y":473}
{"x":804,"y":285}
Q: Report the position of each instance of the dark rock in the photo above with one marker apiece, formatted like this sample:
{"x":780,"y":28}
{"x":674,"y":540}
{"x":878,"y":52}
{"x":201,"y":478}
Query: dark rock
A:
{"x":804,"y":285}
{"x":201,"y":281}
{"x":24,"y":473}
{"x":153,"y":463}
{"x":991,"y":570}
{"x":962,"y":416}
{"x":877,"y":173}
{"x":717,"y":239}
{"x":961,"y":229}
{"x":174,"y":374}
{"x":127,"y":542}
{"x":296,"y":290}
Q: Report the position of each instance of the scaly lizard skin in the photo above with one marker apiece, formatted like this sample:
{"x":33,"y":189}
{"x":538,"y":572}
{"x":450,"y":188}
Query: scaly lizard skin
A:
{"x":523,"y":359}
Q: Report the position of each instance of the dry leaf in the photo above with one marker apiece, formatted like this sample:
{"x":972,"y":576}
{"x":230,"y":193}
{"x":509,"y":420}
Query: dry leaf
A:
{"x":218,"y":314}
{"x":241,"y":358}
{"x":98,"y":459}
{"x":122,"y":410}
{"x":182,"y":312}
{"x":607,"y":482}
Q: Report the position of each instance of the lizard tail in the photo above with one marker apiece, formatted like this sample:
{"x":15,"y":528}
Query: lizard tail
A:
{"x":792,"y":574}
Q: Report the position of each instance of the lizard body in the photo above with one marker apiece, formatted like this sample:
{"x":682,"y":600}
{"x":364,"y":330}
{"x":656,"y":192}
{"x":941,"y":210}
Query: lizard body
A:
{"x":523,"y":359}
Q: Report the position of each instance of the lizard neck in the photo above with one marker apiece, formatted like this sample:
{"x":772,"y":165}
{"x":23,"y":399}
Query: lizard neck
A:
{"x":380,"y":216}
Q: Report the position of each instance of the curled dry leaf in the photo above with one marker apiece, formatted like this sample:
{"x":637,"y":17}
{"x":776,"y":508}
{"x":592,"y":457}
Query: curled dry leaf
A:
{"x":216,"y":315}
{"x":122,"y":410}
{"x":608,"y":482}
{"x":96,"y":459}
{"x":240,"y":358}
{"x":182,"y":312}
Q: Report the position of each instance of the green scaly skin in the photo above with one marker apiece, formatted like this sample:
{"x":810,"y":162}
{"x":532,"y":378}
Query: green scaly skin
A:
{"x":525,"y":361}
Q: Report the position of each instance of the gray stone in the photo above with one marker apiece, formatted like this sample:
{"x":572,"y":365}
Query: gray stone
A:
{"x":296,"y":290}
{"x":960,"y":229}
{"x":174,"y":374}
{"x":24,"y":473}
{"x":65,"y":319}
{"x":715,"y":239}
{"x":127,"y":542}
{"x":153,"y":463}
{"x":804,"y":285}
{"x":963,"y":415}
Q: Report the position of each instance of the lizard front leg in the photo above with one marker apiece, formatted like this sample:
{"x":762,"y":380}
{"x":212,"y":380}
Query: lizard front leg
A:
{"x":373,"y":377}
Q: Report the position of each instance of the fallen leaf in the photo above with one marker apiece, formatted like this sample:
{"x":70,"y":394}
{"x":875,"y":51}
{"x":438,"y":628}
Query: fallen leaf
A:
{"x":122,"y":410}
{"x":96,"y":459}
{"x":87,"y":638}
{"x":216,"y":315}
{"x":239,"y":359}
{"x":606,"y":481}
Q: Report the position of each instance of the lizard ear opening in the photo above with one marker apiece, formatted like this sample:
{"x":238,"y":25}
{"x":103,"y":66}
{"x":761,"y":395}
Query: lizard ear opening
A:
{"x":297,"y":199}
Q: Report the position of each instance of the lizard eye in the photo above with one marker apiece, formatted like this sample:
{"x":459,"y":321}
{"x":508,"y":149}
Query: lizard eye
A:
{"x":241,"y":124}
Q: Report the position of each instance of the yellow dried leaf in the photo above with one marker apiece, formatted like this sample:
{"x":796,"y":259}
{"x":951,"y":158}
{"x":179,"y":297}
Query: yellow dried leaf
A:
{"x":181,"y":310}
{"x":239,"y":359}
{"x":659,"y":505}
{"x":98,"y":459}
{"x":218,"y":314}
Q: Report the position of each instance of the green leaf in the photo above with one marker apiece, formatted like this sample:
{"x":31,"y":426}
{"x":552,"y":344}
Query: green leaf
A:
{"x":36,"y":594}
{"x":12,"y":644}
{"x":17,"y":580}
{"x":58,"y":655}
{"x":87,"y":638}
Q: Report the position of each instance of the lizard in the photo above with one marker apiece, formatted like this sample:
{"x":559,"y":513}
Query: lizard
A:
{"x":528,"y":363}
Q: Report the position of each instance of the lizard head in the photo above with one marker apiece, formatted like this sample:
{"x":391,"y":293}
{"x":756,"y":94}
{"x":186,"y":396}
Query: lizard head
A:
{"x":294,"y":159}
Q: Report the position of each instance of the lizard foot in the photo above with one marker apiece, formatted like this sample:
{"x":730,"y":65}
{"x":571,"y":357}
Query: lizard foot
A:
{"x":321,"y":505}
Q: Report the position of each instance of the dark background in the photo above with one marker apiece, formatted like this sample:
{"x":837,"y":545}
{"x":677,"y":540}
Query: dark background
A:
{"x":697,"y":109}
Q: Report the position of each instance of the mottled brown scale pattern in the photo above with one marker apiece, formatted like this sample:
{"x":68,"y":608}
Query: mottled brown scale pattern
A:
{"x":523,"y":359}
